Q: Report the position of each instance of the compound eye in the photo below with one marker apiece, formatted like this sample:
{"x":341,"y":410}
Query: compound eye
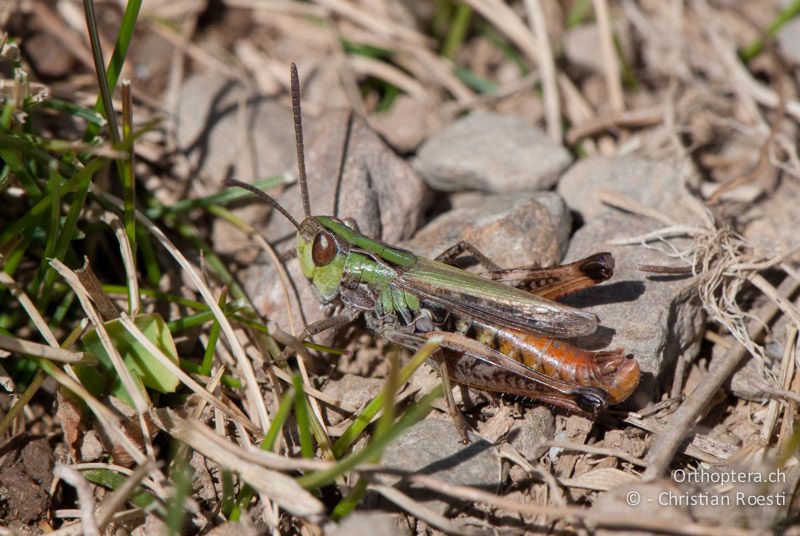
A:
{"x":324,"y":249}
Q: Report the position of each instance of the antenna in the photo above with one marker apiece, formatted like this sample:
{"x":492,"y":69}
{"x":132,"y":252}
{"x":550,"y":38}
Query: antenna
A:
{"x":264,"y":197}
{"x":298,"y":135}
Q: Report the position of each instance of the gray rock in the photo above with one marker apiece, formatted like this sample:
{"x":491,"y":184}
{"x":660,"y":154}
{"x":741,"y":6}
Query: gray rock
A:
{"x":433,"y":447}
{"x":749,"y":378}
{"x":491,"y":152}
{"x":91,"y":447}
{"x":771,"y":223}
{"x":789,"y":40}
{"x":365,"y":524}
{"x":353,"y":173}
{"x":370,"y":184}
{"x":407,"y":124}
{"x":655,"y":318}
{"x":581,"y":45}
{"x":535,"y":427}
{"x":352,"y":392}
{"x":513,"y":230}
{"x":220,"y":140}
{"x":654,"y":184}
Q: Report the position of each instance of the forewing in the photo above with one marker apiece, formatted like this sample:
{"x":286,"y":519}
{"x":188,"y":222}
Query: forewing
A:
{"x":502,"y":305}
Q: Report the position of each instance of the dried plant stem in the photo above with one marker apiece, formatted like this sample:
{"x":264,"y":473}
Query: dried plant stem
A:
{"x":785,"y":377}
{"x":610,"y":63}
{"x":666,"y":526}
{"x":548,"y":66}
{"x":85,"y":497}
{"x":508,"y":22}
{"x":667,"y":443}
{"x":22,"y":346}
{"x":642,"y":117}
{"x":589,"y":449}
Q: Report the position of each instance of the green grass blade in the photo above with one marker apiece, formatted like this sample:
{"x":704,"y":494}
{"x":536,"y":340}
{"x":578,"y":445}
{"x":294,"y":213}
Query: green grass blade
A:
{"x":21,"y":171}
{"x":478,"y":83}
{"x":182,"y":482}
{"x":227,"y":504}
{"x":27,"y":221}
{"x":301,"y":412}
{"x":756,"y":47}
{"x":368,"y":413}
{"x":75,"y":110}
{"x":350,"y":502}
{"x":66,"y":235}
{"x":213,"y":337}
{"x":149,"y":260}
{"x":112,"y":480}
{"x":457,"y":31}
{"x":374,"y":449}
{"x":111,"y":76}
{"x":193,"y":368}
{"x":580,"y":12}
{"x":99,"y":65}
{"x":126,"y":167}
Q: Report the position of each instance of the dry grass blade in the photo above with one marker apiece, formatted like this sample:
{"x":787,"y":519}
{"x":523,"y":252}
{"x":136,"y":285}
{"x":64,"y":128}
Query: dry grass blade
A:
{"x":285,"y":491}
{"x":548,"y":67}
{"x":22,"y":346}
{"x":422,"y":512}
{"x":784,"y":379}
{"x":117,"y":499}
{"x":552,"y":512}
{"x":127,"y":259}
{"x":107,"y":419}
{"x":589,"y":449}
{"x":642,"y":117}
{"x":610,"y":62}
{"x":116,"y":359}
{"x":85,"y":497}
{"x":375,"y":22}
{"x":602,"y":479}
{"x":630,"y":205}
{"x":507,"y":21}
{"x":384,"y":71}
{"x":29,"y":307}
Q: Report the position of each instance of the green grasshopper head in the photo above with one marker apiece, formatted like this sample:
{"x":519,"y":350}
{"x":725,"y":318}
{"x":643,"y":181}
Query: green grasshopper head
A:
{"x":321,"y":255}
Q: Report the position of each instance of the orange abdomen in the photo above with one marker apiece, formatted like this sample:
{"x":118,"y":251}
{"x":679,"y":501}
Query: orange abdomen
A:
{"x":613,"y":371}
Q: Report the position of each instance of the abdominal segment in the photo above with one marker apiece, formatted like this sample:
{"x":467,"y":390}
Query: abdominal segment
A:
{"x":613,"y":371}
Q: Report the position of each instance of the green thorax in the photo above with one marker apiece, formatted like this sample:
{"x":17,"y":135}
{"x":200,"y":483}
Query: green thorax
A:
{"x":390,"y":254}
{"x":359,"y":257}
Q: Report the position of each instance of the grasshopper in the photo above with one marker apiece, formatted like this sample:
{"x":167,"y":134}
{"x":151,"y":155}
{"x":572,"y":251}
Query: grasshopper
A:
{"x":495,"y":337}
